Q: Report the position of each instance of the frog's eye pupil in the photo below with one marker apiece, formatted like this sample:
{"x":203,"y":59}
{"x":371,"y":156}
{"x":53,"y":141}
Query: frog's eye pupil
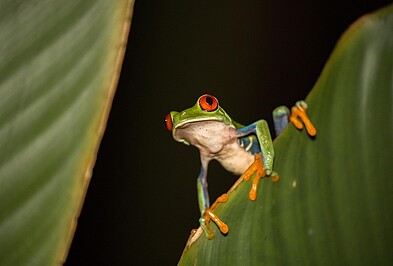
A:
{"x":208,"y":103}
{"x":209,"y":100}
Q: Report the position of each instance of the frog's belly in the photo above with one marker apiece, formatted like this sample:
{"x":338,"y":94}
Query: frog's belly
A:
{"x":235,"y":159}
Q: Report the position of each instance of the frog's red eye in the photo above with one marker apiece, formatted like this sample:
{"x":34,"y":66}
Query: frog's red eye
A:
{"x":168,"y":122}
{"x":208,"y":102}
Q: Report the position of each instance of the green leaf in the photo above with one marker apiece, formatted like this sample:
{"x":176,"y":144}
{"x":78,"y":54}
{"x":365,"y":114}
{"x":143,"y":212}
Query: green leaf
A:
{"x":60,"y":62}
{"x":333,"y":204}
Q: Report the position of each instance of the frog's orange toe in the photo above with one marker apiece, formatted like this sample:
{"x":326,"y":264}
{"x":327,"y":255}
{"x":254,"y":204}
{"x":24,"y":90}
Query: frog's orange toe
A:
{"x":275,"y":178}
{"x":258,"y":170}
{"x":252,"y":195}
{"x":209,"y":215}
{"x":299,"y":115}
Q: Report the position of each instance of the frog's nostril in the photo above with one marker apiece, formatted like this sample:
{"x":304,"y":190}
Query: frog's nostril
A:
{"x":168,"y":122}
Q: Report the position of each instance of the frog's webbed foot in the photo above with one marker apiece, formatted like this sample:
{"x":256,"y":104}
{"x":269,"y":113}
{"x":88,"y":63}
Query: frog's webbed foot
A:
{"x":258,"y":168}
{"x":299,"y":115}
{"x":209,"y":215}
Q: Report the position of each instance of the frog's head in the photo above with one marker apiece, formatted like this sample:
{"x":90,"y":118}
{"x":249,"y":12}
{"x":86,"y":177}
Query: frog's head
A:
{"x":205,"y":109}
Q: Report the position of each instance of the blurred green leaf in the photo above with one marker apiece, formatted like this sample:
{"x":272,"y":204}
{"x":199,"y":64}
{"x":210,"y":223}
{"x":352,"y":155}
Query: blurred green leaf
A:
{"x":60,"y":63}
{"x":333,"y":204}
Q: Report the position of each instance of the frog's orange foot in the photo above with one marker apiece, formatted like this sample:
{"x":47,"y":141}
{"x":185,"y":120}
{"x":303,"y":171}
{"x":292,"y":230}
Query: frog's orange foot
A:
{"x":258,"y":169}
{"x":209,"y":215}
{"x":299,"y":115}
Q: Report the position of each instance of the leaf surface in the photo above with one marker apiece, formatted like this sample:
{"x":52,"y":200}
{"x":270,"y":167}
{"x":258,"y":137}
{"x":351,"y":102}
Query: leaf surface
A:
{"x":59,"y":66}
{"x":333,"y":204}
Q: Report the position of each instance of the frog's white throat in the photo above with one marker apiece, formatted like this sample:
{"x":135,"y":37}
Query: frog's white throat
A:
{"x":215,"y":140}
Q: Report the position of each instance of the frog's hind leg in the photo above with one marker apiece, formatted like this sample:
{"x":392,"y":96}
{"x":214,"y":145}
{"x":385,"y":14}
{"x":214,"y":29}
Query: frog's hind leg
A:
{"x":209,"y":215}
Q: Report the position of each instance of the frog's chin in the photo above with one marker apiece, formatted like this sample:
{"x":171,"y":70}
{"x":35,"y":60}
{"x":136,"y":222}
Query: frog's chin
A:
{"x":181,"y":130}
{"x":196,"y":131}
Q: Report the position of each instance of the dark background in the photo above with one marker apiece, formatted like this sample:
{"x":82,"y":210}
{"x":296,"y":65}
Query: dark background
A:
{"x":252,"y":55}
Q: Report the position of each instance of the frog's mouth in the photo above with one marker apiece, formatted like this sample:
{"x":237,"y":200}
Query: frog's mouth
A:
{"x":186,"y":122}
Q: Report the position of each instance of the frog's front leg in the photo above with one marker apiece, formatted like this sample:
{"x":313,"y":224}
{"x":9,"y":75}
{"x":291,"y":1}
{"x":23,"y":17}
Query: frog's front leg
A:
{"x":281,"y":118}
{"x":263,"y":161}
{"x":261,"y":130}
{"x":257,"y":169}
{"x":298,"y":117}
{"x":299,"y":112}
{"x":207,"y":213}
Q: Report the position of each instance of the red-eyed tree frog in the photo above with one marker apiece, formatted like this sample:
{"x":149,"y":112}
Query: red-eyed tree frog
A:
{"x":242,"y":150}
